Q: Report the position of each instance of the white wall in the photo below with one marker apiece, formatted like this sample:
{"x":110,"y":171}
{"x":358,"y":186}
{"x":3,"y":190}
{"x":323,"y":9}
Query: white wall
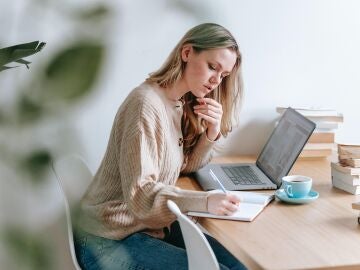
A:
{"x":295,"y":53}
{"x":299,"y":53}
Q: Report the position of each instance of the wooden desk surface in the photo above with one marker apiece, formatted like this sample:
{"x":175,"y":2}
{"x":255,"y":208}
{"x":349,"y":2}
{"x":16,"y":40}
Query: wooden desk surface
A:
{"x":322,"y":234}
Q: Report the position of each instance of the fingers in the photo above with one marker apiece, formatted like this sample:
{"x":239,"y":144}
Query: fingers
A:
{"x":226,"y":208}
{"x":209,"y":110}
{"x":233,"y":199}
{"x":222,"y":204}
{"x":230,"y":204}
{"x":209,"y":101}
{"x":224,"y":212}
{"x":208,"y":118}
{"x":209,"y":104}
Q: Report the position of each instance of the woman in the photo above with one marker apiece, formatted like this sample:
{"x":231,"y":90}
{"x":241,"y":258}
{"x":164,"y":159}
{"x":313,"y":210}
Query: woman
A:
{"x":167,"y":125}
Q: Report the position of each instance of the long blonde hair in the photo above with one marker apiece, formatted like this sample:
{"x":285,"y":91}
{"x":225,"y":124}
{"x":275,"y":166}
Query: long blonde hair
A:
{"x":205,"y":36}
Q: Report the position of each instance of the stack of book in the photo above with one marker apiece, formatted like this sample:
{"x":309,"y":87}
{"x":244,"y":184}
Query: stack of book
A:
{"x":356,"y":205}
{"x":322,"y":141}
{"x":349,"y":155}
{"x":345,"y":174}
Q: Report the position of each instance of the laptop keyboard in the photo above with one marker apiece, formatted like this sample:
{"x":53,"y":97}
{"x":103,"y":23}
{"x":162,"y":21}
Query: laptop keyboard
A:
{"x":242,"y":175}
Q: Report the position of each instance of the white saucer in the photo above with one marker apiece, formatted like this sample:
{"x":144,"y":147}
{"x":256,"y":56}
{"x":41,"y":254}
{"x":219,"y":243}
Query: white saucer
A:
{"x":281,"y":195}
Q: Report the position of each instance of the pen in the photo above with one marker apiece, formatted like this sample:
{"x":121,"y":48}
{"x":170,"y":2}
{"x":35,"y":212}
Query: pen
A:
{"x":217,"y":180}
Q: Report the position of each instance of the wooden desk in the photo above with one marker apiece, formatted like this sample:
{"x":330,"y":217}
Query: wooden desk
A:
{"x":323,"y":234}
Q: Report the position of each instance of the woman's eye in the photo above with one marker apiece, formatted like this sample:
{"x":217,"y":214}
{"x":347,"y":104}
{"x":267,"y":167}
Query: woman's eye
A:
{"x":212,"y":67}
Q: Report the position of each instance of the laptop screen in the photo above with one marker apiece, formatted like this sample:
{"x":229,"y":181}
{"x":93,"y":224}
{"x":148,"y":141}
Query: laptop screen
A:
{"x":284,"y":145}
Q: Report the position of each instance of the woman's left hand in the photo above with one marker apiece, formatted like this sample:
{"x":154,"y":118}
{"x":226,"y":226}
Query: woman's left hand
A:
{"x":211,"y":111}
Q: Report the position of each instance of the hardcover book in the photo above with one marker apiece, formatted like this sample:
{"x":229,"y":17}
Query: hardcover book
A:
{"x":345,"y":169}
{"x":312,"y":111}
{"x":351,"y":151}
{"x":353,"y":180}
{"x":356,"y":205}
{"x":352,"y":162}
{"x":322,"y":137}
{"x":315,"y":153}
{"x":346,"y":187}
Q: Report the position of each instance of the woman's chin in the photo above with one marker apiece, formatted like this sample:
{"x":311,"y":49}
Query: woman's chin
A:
{"x":199,"y":94}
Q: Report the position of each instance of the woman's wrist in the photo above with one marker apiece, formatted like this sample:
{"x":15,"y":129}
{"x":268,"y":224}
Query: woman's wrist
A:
{"x":213,"y":136}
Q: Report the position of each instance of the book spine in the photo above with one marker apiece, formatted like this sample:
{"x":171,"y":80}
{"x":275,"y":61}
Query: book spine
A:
{"x":355,"y":163}
{"x":343,"y":186}
{"x":356,"y":205}
{"x":326,"y":125}
{"x":349,"y":151}
{"x":322,"y":137}
{"x":346,"y":169}
{"x":325,"y":118}
{"x":315,"y":153}
{"x":346,"y":156}
{"x":312,"y":111}
{"x":346,"y":178}
{"x":319,"y":146}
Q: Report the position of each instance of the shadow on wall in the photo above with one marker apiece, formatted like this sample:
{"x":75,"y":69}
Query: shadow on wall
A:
{"x":249,"y":138}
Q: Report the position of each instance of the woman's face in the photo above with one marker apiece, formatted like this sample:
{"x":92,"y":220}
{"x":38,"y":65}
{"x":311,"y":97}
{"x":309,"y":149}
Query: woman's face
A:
{"x":204,"y":71}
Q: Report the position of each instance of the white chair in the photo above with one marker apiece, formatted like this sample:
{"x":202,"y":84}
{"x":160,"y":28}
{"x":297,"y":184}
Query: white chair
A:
{"x":73,"y":177}
{"x":199,"y":252}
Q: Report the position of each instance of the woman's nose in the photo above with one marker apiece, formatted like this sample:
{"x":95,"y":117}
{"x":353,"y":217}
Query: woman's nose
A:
{"x":216,"y":79}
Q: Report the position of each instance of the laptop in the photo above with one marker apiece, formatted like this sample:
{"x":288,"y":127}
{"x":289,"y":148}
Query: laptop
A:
{"x":274,"y":162}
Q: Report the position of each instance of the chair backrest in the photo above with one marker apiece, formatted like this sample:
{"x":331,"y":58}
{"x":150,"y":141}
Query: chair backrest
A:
{"x":73,"y":176}
{"x":199,"y":252}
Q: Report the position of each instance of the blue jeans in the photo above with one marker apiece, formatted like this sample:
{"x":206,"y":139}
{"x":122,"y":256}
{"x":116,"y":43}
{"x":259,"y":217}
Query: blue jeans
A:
{"x":140,"y":251}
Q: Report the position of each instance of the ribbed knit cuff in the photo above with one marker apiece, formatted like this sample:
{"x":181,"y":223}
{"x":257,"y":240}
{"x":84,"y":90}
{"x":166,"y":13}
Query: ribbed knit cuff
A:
{"x":192,"y":201}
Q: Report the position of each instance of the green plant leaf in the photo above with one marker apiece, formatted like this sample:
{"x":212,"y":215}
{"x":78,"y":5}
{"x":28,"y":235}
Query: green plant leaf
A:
{"x":22,"y":61}
{"x":17,"y":52}
{"x":2,"y":117}
{"x":28,"y":250}
{"x":28,"y":110}
{"x":37,"y":163}
{"x":94,"y":13}
{"x":6,"y":67}
{"x":72,"y":72}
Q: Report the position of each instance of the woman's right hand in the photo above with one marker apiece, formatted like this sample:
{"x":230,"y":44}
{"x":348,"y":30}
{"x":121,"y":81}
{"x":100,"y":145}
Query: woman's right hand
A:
{"x":222,"y":204}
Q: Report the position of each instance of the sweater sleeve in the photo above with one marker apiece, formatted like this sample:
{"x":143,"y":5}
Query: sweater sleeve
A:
{"x":201,"y":154}
{"x":139,"y":159}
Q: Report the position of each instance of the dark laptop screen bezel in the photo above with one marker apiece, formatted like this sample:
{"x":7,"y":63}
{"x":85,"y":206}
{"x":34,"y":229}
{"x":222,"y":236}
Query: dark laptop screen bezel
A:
{"x":258,"y":163}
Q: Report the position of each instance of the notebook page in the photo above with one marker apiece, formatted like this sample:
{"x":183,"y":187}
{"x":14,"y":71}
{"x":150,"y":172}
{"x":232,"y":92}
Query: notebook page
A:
{"x":252,"y":197}
{"x":251,"y":205}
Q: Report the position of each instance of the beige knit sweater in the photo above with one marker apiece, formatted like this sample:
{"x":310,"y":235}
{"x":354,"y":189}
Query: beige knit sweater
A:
{"x":138,"y":173}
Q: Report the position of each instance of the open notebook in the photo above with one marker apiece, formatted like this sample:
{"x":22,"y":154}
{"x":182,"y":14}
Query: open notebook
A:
{"x":251,"y":205}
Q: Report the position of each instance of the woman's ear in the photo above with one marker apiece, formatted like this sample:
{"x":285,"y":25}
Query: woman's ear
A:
{"x":185,"y":52}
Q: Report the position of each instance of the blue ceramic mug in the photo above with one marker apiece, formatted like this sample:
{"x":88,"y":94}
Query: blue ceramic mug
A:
{"x":296,"y":186}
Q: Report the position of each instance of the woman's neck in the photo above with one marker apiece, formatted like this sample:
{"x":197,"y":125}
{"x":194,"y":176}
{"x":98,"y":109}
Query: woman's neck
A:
{"x":177,"y":90}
